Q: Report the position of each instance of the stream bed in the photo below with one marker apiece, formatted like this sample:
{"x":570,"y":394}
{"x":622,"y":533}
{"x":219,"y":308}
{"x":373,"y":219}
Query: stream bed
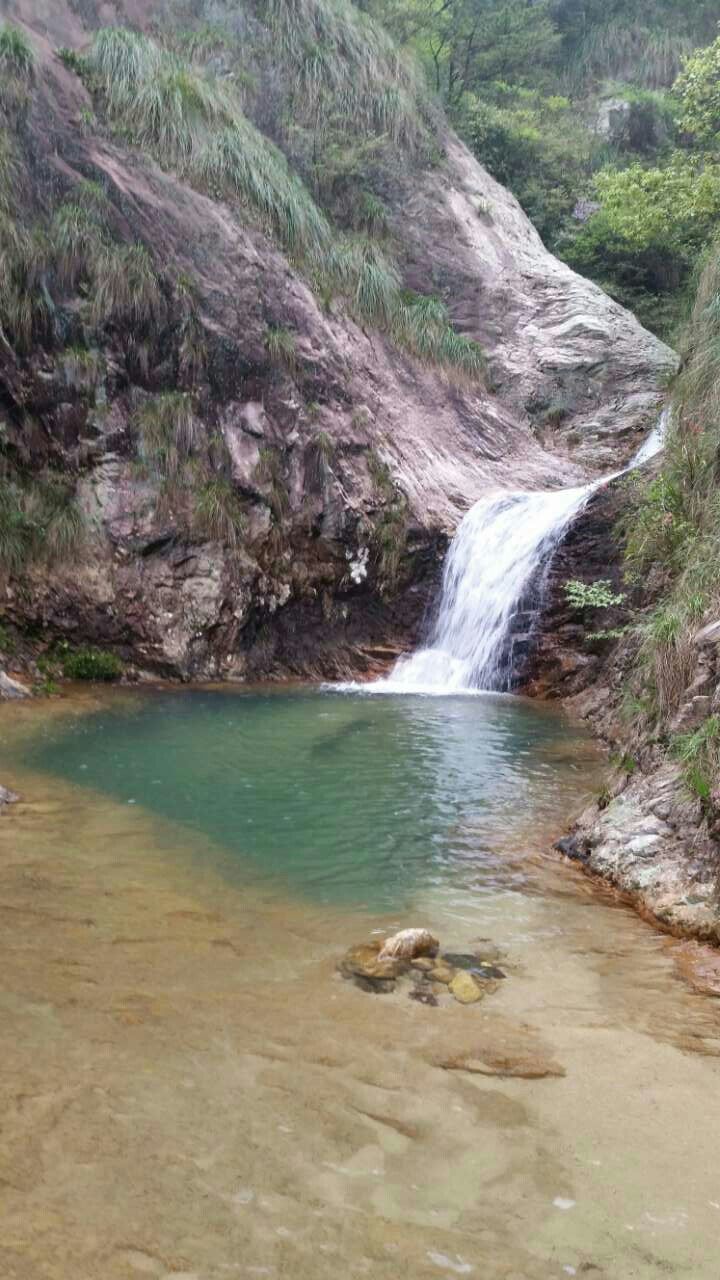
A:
{"x":190,"y":1089}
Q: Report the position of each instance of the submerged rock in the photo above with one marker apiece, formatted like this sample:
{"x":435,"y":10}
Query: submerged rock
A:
{"x":442,"y":973}
{"x":489,"y":1061}
{"x":409,"y":943}
{"x":370,"y":971}
{"x":423,"y":995}
{"x":471,"y":964}
{"x":465,"y":989}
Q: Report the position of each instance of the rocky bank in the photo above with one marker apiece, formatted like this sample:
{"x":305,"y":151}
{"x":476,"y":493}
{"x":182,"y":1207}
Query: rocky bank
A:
{"x":647,"y":834}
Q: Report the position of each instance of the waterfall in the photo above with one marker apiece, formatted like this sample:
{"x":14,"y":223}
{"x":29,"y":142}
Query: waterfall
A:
{"x":499,"y":549}
{"x":499,"y":555}
{"x":654,"y":442}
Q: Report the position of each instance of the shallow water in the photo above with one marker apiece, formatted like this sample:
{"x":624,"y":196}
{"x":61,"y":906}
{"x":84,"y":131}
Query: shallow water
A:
{"x":189,"y":1089}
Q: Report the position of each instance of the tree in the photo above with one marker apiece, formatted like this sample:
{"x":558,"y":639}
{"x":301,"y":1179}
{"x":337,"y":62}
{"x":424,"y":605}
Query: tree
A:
{"x":698,"y":88}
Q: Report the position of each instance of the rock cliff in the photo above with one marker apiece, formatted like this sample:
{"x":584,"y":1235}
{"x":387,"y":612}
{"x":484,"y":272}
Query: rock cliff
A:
{"x":351,"y":460}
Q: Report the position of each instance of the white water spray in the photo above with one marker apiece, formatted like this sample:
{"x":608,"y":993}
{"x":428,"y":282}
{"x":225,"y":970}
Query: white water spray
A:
{"x":497,"y":555}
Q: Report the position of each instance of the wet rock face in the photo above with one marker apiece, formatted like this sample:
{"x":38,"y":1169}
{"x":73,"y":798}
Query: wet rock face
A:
{"x":558,"y":661}
{"x":306,"y":591}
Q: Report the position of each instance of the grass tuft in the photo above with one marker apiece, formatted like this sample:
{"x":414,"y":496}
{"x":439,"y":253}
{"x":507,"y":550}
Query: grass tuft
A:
{"x":168,"y":432}
{"x":40,"y":521}
{"x":218,"y":513}
{"x":16,"y":53}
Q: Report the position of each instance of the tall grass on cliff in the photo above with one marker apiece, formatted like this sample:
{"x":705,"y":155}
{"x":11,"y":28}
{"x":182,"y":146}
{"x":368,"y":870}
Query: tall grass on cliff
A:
{"x":17,"y":70}
{"x":193,"y":122}
{"x":633,"y":52}
{"x":676,"y":528}
{"x":40,"y":521}
{"x":342,"y":67}
{"x":168,"y":433}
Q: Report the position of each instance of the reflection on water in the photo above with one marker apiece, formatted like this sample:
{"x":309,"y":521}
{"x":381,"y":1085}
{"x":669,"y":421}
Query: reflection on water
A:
{"x":348,"y":799}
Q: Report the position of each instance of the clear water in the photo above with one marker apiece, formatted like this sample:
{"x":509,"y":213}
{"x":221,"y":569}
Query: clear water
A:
{"x":190,"y":1090}
{"x":341,"y":797}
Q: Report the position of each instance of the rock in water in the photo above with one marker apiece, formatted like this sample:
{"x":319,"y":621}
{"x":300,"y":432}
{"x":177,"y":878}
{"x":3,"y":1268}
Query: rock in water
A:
{"x":409,"y":943}
{"x":424,"y":995}
{"x":465,"y":988}
{"x":369,"y":969}
{"x":7,"y":796}
{"x":465,"y":960}
{"x":442,"y":973}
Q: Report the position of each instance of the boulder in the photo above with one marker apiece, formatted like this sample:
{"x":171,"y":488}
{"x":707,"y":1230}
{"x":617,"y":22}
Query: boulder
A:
{"x":10,"y":688}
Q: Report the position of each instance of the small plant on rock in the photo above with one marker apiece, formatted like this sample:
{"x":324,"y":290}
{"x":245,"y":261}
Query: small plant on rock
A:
{"x":87,"y":663}
{"x":592,"y":595}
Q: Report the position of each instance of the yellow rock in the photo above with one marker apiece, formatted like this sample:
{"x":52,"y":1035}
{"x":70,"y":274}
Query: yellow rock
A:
{"x":465,"y":988}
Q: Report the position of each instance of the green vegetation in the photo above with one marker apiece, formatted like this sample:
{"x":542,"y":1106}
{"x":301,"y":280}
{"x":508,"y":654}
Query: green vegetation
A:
{"x":675,"y":526}
{"x":87,"y":663}
{"x":699,"y":754}
{"x":17,"y":67}
{"x":281,"y":347}
{"x":351,"y":78}
{"x":570,"y":103}
{"x":592,"y":595}
{"x":389,"y":528}
{"x":40,"y":521}
{"x":270,"y":472}
{"x":168,"y":432}
{"x":218,"y":513}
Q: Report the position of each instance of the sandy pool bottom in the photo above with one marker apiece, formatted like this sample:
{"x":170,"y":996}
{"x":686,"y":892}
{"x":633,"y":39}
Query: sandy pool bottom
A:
{"x":190,"y":1090}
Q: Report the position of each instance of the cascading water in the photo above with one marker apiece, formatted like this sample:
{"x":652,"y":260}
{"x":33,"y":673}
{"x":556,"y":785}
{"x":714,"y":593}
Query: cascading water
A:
{"x":499,"y":551}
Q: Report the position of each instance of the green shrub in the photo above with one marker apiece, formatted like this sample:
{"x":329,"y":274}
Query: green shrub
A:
{"x":698,"y":89}
{"x":87,"y":663}
{"x":592,"y":595}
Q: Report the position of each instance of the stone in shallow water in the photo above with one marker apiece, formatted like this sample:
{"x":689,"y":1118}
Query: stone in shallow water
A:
{"x":373,"y":973}
{"x":409,"y":943}
{"x":442,"y":973}
{"x":423,"y":963}
{"x":465,"y":989}
{"x":423,"y":995}
{"x":471,"y":963}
